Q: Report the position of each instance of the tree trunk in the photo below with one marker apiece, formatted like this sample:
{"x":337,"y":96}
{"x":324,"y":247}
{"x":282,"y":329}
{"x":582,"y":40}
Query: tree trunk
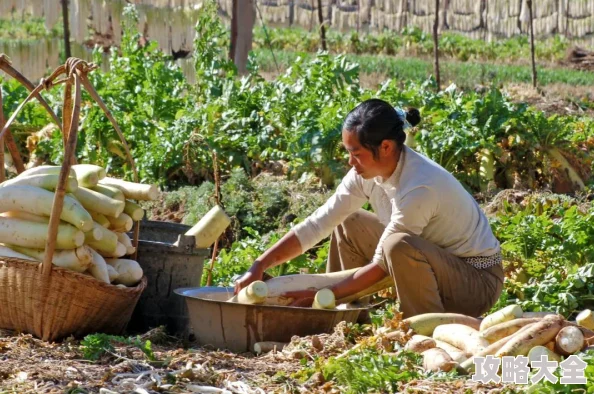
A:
{"x":436,"y":45}
{"x":322,"y":28}
{"x":532,"y":43}
{"x":66,"y":28}
{"x":242,"y":25}
{"x":233,"y":30}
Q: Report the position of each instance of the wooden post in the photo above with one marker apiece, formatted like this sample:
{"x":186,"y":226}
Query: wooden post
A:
{"x":529,"y":2}
{"x":436,"y":45}
{"x":233,"y":30}
{"x":217,"y":179}
{"x":2,"y":123}
{"x":322,"y":28}
{"x":66,"y":28}
{"x":244,"y":13}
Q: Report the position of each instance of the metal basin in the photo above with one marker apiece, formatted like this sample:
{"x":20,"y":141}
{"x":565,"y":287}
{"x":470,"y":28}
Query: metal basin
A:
{"x":237,"y":327}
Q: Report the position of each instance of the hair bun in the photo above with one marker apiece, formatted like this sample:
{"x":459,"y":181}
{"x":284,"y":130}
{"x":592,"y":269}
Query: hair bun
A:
{"x":413,"y":116}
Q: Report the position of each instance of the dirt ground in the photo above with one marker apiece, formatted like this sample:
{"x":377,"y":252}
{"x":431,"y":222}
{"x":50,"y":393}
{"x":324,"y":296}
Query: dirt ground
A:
{"x":32,"y":366}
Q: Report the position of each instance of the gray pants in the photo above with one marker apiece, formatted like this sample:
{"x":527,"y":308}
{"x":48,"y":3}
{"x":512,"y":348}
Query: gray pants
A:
{"x":427,"y":278}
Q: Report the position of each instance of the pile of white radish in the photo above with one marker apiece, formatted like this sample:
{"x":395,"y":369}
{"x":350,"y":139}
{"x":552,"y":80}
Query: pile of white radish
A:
{"x":449,"y":340}
{"x":92,"y":236}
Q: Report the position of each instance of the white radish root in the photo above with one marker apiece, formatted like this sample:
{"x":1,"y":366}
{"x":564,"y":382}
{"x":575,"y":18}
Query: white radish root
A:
{"x":507,"y":313}
{"x":463,"y":337}
{"x":502,"y":330}
{"x":569,"y":340}
{"x":437,"y":359}
{"x":420,"y":343}
{"x":538,"y":334}
{"x":424,"y":324}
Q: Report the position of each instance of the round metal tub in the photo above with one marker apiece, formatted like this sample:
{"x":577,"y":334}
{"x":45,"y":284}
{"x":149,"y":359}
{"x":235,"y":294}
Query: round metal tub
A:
{"x":237,"y":327}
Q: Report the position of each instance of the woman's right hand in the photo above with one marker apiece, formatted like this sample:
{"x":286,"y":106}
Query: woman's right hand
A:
{"x":253,"y":274}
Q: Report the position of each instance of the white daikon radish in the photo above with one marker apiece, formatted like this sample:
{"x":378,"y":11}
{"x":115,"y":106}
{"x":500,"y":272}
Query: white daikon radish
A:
{"x":94,"y":201}
{"x":461,"y":336}
{"x":108,"y":244}
{"x":46,"y":169}
{"x":34,"y":235}
{"x":132,"y":190}
{"x":425,"y":323}
{"x":25,"y":216}
{"x":84,"y":168}
{"x":538,"y":334}
{"x":130,"y":272}
{"x":96,"y":234}
{"x":324,"y":299}
{"x":265,"y":347}
{"x":437,"y":359}
{"x":537,"y":352}
{"x":458,"y":355}
{"x":44,"y":181}
{"x":100,"y":218}
{"x":470,"y":364}
{"x":420,"y":343}
{"x":110,"y":191}
{"x":127,"y":242}
{"x":585,"y":319}
{"x":502,"y":330}
{"x":531,"y":315}
{"x":40,"y":202}
{"x":134,"y":210}
{"x":569,"y":340}
{"x":287,"y":283}
{"x":119,"y":252}
{"x":5,"y":251}
{"x":77,"y":260}
{"x":507,"y":313}
{"x":254,"y":293}
{"x":88,"y":175}
{"x":378,"y":286}
{"x":98,"y":267}
{"x":113,"y":274}
{"x":209,"y":227}
{"x":120,"y":224}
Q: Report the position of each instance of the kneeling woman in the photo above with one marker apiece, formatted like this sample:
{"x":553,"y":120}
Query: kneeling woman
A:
{"x":426,"y":232}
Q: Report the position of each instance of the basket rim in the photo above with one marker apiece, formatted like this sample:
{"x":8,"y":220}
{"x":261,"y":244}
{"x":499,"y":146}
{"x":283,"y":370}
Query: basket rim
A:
{"x":14,"y":262}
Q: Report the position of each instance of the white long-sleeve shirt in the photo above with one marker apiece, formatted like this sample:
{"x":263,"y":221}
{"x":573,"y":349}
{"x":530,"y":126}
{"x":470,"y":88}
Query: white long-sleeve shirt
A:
{"x":420,"y":198}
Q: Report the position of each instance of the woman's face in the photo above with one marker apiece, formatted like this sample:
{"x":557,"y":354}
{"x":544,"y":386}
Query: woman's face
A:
{"x":360,"y":157}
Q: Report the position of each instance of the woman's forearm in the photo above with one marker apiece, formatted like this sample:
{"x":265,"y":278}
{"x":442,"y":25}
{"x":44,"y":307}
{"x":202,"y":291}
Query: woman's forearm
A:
{"x":285,"y":249}
{"x":362,"y":279}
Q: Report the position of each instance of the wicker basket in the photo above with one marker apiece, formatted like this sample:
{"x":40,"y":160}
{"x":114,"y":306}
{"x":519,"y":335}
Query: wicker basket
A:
{"x":67,"y":304}
{"x":39,"y":298}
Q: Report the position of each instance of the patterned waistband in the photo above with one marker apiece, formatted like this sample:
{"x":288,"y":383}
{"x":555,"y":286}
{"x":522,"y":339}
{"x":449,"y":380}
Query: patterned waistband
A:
{"x":481,"y":262}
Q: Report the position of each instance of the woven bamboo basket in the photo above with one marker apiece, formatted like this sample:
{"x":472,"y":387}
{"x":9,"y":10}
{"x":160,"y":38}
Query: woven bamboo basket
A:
{"x":39,"y":298}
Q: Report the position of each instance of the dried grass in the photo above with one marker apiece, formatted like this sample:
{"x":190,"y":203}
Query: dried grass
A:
{"x":32,"y":366}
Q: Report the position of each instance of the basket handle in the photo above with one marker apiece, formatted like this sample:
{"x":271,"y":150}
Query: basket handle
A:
{"x":69,"y":149}
{"x":6,"y":66}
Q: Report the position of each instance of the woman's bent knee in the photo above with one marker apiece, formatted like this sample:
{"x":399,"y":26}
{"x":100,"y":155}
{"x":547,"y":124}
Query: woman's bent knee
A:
{"x":397,"y":243}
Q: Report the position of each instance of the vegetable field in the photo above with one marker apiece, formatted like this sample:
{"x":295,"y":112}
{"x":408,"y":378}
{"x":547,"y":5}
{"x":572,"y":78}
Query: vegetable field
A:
{"x":267,"y":147}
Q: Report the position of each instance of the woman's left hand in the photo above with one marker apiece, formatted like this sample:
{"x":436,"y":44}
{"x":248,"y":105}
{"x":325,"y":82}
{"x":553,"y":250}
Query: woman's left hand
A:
{"x":302,"y":298}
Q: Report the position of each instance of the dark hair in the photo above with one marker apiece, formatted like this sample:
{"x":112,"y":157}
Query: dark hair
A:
{"x":375,"y":120}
